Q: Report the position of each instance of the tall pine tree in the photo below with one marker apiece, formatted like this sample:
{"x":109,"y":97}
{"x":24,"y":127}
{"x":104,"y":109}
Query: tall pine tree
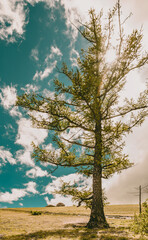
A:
{"x":91,"y":106}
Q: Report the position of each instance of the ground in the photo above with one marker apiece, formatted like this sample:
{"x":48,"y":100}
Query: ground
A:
{"x":65,"y":223}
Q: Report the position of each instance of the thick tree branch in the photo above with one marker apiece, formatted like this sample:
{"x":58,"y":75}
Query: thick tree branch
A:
{"x":84,"y":199}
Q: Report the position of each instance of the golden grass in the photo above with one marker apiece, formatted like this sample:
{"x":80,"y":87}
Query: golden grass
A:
{"x":72,"y":210}
{"x":123,"y":210}
{"x":55,"y":223}
{"x":13,"y":222}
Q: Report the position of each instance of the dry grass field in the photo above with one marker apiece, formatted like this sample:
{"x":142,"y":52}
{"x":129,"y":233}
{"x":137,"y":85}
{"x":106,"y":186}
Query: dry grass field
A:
{"x":65,"y":223}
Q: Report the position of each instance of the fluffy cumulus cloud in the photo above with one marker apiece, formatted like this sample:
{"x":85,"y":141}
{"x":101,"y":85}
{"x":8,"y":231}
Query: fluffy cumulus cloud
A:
{"x":8,"y":96}
{"x":31,"y":187}
{"x":60,"y":199}
{"x":70,"y":179}
{"x":12,"y":196}
{"x":37,"y":172}
{"x":24,"y":157}
{"x":12,"y":19}
{"x":16,"y":194}
{"x":26,"y":135}
{"x":6,"y":156}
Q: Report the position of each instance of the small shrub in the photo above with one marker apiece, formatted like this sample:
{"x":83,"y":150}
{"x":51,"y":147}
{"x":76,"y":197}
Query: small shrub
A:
{"x":140,"y":224}
{"x":50,"y":205}
{"x":60,"y":205}
{"x":36,"y":213}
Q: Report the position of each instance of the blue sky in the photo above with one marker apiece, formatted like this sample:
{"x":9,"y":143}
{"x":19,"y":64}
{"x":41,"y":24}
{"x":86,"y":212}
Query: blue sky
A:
{"x":35,"y":37}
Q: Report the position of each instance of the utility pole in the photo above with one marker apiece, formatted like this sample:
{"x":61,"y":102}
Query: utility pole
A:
{"x":140,"y":199}
{"x":139,"y":191}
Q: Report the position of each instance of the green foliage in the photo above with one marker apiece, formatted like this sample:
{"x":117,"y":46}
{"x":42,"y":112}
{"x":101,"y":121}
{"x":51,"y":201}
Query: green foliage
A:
{"x":36,"y":212}
{"x":140,"y":224}
{"x":81,"y":195}
{"x":85,"y":117}
{"x":91,"y":104}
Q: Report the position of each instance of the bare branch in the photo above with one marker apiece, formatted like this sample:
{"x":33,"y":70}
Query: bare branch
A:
{"x":121,"y":114}
{"x":77,"y":143}
{"x":120,"y":30}
{"x":83,"y":34}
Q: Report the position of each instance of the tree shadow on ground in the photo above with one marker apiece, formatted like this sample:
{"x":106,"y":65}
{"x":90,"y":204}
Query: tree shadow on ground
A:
{"x":70,"y":232}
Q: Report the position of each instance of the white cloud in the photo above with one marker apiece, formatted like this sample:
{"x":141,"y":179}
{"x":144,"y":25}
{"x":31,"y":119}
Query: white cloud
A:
{"x":14,"y":112}
{"x":72,"y":134}
{"x":47,"y":71}
{"x":8,"y":97}
{"x":50,"y":147}
{"x":44,"y":74}
{"x":36,"y":172}
{"x":9,"y":128}
{"x":26,"y":135}
{"x":24,"y":157}
{"x":12,"y":19}
{"x":36,"y":76}
{"x":13,"y":14}
{"x":55,"y":51}
{"x":35,"y":54}
{"x":73,"y":57}
{"x":47,"y":200}
{"x":81,"y":180}
{"x":21,"y":204}
{"x":128,"y":180}
{"x":6,"y":156}
{"x":30,"y":88}
{"x":17,"y":194}
{"x":48,"y":93}
{"x":32,"y":2}
{"x":31,"y":187}
{"x":49,"y":66}
{"x":58,"y":199}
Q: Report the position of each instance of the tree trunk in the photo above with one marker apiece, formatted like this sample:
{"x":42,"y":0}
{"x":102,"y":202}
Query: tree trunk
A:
{"x":97,"y":217}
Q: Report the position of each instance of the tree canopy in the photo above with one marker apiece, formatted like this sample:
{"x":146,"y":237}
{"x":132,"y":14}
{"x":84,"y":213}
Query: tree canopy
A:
{"x":88,"y":120}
